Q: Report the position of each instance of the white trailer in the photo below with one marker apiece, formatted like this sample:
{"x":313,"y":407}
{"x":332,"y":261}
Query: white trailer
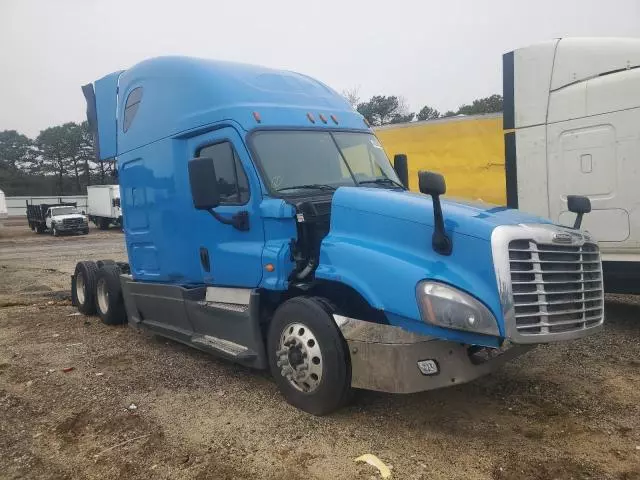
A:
{"x":572,"y":126}
{"x":3,"y":207}
{"x":103,"y":205}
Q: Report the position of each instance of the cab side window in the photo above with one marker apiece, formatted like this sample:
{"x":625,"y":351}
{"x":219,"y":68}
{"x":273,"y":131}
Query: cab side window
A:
{"x":232,"y":180}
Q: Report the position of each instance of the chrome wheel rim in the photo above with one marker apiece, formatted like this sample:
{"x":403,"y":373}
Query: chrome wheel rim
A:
{"x":80,"y":286}
{"x":300,"y":357}
{"x":103,"y":296}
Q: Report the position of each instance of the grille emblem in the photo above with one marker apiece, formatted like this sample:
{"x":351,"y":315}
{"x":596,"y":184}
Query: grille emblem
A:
{"x":562,"y":238}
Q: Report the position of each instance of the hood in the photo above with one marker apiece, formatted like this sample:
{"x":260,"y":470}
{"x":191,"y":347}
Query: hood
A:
{"x":68,"y":216}
{"x":468,"y":218}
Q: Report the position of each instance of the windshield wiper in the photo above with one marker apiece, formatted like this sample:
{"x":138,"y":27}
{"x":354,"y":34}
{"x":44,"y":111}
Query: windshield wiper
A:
{"x":317,"y":186}
{"x":383,"y":181}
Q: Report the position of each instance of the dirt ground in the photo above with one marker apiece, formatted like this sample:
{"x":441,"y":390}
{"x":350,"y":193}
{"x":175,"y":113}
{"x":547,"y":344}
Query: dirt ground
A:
{"x":562,"y":411}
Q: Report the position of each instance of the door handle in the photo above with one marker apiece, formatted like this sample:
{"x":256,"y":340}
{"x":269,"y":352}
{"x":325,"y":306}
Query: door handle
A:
{"x":204,"y":259}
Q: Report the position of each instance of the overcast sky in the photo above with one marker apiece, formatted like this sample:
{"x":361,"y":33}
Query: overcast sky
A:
{"x":441,"y":53}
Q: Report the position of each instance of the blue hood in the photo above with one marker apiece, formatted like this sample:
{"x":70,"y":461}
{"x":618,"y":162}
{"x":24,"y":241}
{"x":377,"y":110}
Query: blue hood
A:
{"x":379,"y":244}
{"x":469,"y":218}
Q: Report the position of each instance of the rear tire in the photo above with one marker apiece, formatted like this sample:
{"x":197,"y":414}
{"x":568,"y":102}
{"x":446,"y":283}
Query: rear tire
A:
{"x":103,"y":223}
{"x":83,"y":287}
{"x":308,"y":356}
{"x":109,"y":300}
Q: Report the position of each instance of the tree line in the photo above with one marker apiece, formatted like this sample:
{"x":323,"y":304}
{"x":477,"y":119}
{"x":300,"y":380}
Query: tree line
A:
{"x":384,"y":110}
{"x":59,"y":161}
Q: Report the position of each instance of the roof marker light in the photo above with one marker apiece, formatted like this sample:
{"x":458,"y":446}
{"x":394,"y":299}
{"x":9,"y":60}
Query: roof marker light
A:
{"x":256,"y":115}
{"x":323,"y":118}
{"x":335,"y":119}
{"x":310,"y":117}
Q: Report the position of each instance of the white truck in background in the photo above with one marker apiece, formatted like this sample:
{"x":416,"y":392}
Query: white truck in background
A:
{"x":103,"y":205}
{"x":572,"y":126}
{"x":3,"y":207}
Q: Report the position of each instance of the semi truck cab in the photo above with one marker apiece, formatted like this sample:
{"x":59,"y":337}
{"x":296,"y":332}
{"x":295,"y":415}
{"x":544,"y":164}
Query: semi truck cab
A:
{"x":265,"y":224}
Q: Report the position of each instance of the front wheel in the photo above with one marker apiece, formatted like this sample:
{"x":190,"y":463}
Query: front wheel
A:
{"x":308,"y":356}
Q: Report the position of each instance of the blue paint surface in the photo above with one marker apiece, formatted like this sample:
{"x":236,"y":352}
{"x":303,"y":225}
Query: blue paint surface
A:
{"x":380,"y":244}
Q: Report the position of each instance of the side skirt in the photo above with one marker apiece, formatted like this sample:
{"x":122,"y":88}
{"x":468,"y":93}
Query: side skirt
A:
{"x":231,"y":331}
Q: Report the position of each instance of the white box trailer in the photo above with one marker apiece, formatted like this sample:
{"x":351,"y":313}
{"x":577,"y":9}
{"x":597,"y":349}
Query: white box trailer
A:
{"x":572,"y":123}
{"x":103,"y":205}
{"x":3,"y":206}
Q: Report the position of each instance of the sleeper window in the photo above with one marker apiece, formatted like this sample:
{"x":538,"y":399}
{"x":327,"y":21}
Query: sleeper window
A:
{"x":131,"y":107}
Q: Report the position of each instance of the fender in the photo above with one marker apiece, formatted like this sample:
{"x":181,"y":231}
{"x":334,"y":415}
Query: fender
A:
{"x":387,"y":277}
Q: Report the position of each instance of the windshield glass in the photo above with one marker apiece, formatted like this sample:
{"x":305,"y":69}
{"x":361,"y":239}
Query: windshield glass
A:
{"x":63,"y":210}
{"x":294,"y":161}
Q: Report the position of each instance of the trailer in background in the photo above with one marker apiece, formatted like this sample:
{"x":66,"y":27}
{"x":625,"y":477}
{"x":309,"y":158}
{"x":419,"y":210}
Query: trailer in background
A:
{"x":103,"y":205}
{"x":3,"y":206}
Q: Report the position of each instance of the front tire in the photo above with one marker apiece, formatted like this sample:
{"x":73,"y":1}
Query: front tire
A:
{"x":308,"y":356}
{"x":109,"y":299}
{"x":83,"y":287}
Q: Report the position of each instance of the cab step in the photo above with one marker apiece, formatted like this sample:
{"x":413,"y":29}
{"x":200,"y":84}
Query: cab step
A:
{"x":224,"y":347}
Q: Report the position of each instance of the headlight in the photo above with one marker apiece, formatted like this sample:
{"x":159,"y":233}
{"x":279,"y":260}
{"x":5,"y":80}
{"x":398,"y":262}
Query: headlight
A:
{"x":448,"y":307}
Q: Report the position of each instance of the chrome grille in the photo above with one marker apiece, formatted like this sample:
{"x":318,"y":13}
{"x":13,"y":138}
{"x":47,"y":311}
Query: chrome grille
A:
{"x":556,"y":288}
{"x":72,"y":222}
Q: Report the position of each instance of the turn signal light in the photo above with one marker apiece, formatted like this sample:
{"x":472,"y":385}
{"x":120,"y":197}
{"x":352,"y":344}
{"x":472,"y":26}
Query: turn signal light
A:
{"x":269,"y":267}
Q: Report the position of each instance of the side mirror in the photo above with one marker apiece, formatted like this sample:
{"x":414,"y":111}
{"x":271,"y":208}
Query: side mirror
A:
{"x":204,"y":183}
{"x":578,"y":205}
{"x":401,"y":167}
{"x":433,"y":184}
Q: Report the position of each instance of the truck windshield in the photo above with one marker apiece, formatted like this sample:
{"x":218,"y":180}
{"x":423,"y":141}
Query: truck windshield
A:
{"x":295,"y":161}
{"x":63,"y":210}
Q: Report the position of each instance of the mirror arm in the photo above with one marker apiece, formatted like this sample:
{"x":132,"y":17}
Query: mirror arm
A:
{"x":441,"y":241}
{"x":239,"y":221}
{"x":578,"y":221}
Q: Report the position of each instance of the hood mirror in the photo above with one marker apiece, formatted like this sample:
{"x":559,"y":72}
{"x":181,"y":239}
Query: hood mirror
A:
{"x":432,"y":183}
{"x":578,"y":205}
{"x":400,"y":165}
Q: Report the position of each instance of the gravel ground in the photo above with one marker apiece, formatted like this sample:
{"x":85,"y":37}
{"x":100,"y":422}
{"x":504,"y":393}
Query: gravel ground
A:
{"x":562,"y":411}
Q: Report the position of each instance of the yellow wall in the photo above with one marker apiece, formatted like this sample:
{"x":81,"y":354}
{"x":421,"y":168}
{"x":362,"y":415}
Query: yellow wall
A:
{"x":469,"y":152}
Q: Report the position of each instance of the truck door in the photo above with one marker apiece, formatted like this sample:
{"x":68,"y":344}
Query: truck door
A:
{"x":229,"y":256}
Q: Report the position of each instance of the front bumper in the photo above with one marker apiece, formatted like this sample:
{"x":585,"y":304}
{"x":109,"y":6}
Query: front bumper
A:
{"x":385,"y":358}
{"x":72,"y":228}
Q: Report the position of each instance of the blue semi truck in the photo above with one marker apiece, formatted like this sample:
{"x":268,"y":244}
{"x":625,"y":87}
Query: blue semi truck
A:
{"x":265,"y":224}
